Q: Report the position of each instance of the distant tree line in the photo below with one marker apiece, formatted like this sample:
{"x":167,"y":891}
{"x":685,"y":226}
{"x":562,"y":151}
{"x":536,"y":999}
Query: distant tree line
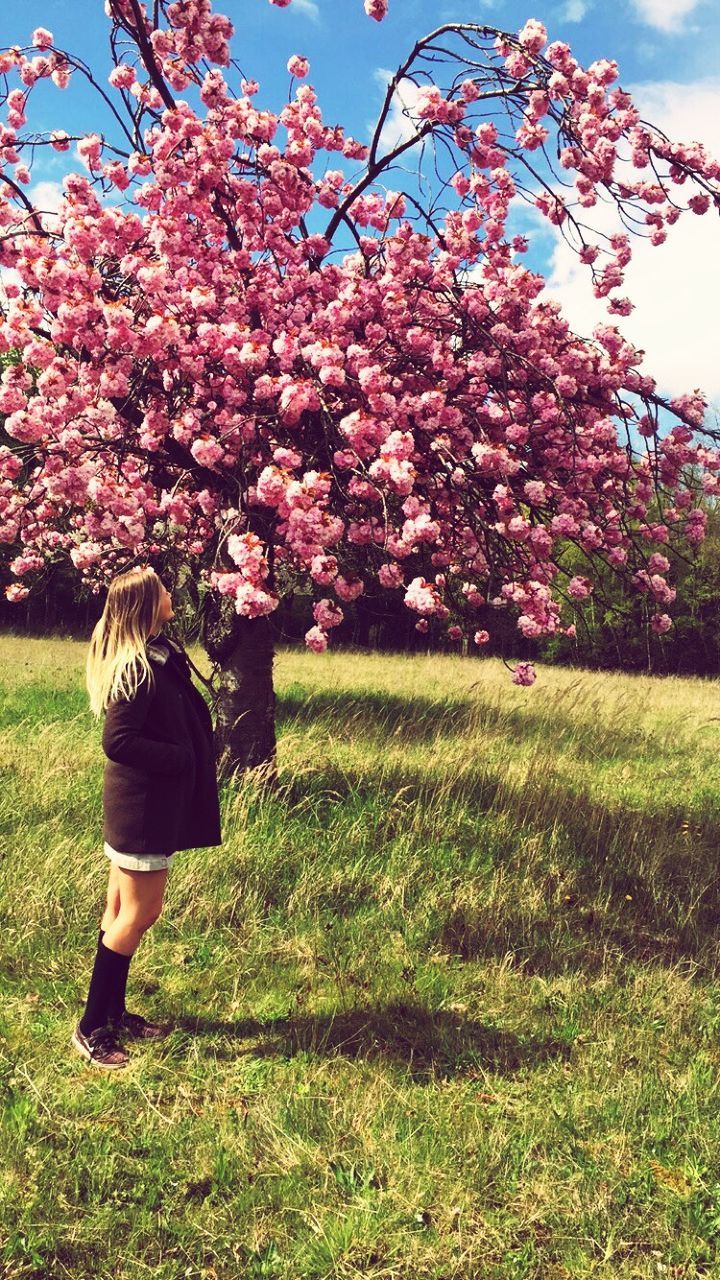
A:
{"x":613,"y":626}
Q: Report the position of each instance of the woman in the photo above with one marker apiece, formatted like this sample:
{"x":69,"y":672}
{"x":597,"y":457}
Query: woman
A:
{"x":160,"y":792}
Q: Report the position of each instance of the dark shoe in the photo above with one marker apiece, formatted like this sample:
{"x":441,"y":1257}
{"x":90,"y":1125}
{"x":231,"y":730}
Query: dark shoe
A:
{"x":135,"y":1027}
{"x":100,"y":1047}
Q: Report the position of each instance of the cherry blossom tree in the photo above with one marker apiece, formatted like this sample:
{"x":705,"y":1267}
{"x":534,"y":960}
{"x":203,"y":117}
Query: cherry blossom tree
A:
{"x":255,"y":346}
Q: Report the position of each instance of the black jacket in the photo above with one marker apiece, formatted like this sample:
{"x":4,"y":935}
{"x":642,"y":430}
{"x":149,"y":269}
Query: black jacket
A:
{"x":160,"y":789}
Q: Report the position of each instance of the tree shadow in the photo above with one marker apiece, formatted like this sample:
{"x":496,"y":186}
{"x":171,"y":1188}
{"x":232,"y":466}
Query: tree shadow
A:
{"x":644,"y":879}
{"x":420,"y":719}
{"x":582,"y":942}
{"x":426,"y":1044}
{"x":537,"y":801}
{"x":659,"y":908}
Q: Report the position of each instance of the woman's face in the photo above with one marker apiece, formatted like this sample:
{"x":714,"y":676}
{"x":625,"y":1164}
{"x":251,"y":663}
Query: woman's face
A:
{"x":166,"y":611}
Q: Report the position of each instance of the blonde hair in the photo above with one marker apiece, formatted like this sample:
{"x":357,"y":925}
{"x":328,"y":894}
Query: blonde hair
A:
{"x":117,"y":663}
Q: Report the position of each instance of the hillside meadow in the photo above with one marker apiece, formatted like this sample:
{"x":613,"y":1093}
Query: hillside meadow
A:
{"x":446,"y":1003}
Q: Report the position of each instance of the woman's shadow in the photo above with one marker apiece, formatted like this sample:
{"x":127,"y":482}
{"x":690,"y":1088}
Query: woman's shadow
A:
{"x":427,"y":1044}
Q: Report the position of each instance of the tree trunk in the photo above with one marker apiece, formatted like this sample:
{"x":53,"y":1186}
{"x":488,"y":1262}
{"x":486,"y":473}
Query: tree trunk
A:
{"x":245,"y":727}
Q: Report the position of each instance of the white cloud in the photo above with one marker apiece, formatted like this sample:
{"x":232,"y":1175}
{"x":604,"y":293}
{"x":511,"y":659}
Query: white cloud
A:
{"x":666,"y":15}
{"x":575,"y":10}
{"x":8,"y":275}
{"x":675,"y":286}
{"x":400,"y":124}
{"x":309,"y":8}
{"x":45,"y":197}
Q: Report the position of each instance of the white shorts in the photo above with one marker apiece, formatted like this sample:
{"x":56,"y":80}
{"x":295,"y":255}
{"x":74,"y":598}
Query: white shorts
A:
{"x":139,"y":861}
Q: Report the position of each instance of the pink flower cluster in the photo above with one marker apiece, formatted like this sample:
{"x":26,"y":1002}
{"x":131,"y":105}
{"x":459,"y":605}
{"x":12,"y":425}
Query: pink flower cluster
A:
{"x":524,"y":674}
{"x":424,"y":597}
{"x":326,"y":615}
{"x":248,"y":586}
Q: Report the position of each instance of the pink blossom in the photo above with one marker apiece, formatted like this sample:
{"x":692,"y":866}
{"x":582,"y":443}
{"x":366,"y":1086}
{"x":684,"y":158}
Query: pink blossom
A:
{"x":85,"y":555}
{"x":422,"y":597}
{"x":252,"y":601}
{"x":89,"y":150}
{"x":658,"y":563}
{"x":246,"y":550}
{"x":376,"y":9}
{"x":655,"y":585}
{"x":290,"y":459}
{"x":296,"y":398}
{"x":271,"y":486}
{"x":323,"y":569}
{"x":28,"y":562}
{"x":390,"y":575}
{"x":15,"y":592}
{"x":207,"y":452}
{"x":660,"y":623}
{"x":690,"y":407}
{"x":535,"y":491}
{"x":529,"y":627}
{"x":533,"y":36}
{"x":475,"y":599}
{"x":348,"y":589}
{"x":700,"y":203}
{"x":122,"y":76}
{"x":517,"y":528}
{"x":579,"y":588}
{"x":316,"y":639}
{"x":327,"y":614}
{"x":298,"y":66}
{"x":481,"y":637}
{"x":524,"y":674}
{"x":42,"y":38}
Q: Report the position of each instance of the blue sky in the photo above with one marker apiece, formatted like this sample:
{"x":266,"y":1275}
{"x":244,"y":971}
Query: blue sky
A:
{"x":668,"y":52}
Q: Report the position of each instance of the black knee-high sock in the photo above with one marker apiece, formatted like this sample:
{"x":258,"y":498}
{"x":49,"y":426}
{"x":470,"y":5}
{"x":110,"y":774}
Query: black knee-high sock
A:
{"x":118,"y":1008}
{"x":107,"y":987}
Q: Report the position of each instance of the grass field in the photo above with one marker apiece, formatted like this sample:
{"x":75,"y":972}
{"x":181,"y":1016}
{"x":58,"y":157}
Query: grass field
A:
{"x":447,"y":1005}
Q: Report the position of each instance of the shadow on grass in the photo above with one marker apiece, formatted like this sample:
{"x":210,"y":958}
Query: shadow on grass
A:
{"x":615,"y":878}
{"x":536,"y":804}
{"x":582,"y":942}
{"x":427,"y":1044}
{"x":419,"y":719}
{"x":645,"y":883}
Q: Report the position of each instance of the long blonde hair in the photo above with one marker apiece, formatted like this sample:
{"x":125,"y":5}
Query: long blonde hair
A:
{"x":117,"y":663}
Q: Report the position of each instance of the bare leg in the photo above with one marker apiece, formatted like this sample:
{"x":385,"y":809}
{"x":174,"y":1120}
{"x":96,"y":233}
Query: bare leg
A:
{"x":112,"y":905}
{"x":141,"y":897}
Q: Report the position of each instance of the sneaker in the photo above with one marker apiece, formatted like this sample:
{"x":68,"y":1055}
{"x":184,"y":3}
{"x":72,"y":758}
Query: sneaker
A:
{"x":100,"y":1047}
{"x":135,"y":1027}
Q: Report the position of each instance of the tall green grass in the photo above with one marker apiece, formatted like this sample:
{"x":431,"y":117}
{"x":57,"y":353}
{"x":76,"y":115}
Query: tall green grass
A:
{"x":445,"y":1003}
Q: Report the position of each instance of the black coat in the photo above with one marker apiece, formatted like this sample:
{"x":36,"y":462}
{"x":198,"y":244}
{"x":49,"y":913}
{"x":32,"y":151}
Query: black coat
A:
{"x":160,"y":789}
